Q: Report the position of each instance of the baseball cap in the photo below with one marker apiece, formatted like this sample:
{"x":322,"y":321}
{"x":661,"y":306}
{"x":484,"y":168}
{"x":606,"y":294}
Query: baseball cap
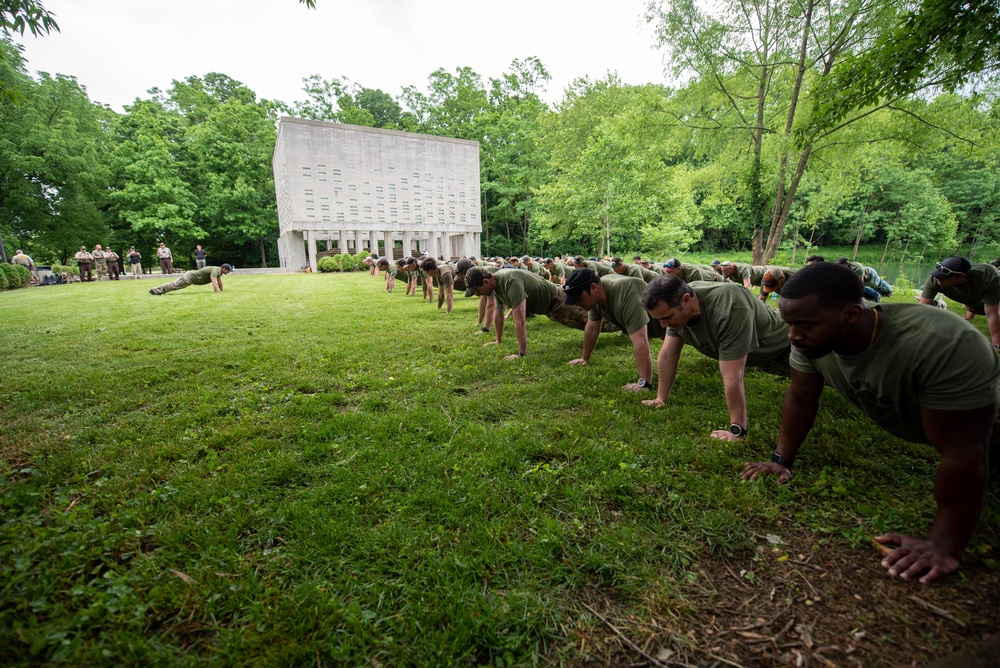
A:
{"x":950,"y":266}
{"x":473,"y":279}
{"x":227,"y":267}
{"x":672,"y":263}
{"x":463,"y":265}
{"x":771,"y":278}
{"x":576,"y":282}
{"x":716,"y":263}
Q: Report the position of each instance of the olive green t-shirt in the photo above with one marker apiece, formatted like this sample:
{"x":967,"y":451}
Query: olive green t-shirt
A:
{"x":392,"y":270}
{"x":558,"y":271}
{"x":203,"y":276}
{"x":599,"y":268}
{"x":517,"y":285}
{"x":983,"y":287}
{"x":637,"y":271}
{"x":696,"y":272}
{"x":744,"y":271}
{"x":446,"y":276}
{"x":624,"y":307}
{"x":734,"y":323}
{"x":922,"y":357}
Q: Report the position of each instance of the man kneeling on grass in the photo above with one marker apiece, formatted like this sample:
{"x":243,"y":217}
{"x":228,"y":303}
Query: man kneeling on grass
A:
{"x":921,"y":374}
{"x":723,"y":321}
{"x":202,"y":276}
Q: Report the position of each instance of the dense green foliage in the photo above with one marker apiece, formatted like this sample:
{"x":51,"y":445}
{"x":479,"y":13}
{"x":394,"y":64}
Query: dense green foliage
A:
{"x":780,"y":132}
{"x":279,"y":486}
{"x":328,"y":264}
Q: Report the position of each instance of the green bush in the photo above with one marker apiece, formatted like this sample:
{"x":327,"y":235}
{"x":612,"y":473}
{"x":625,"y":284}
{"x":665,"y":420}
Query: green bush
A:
{"x":11,"y":278}
{"x":348,"y":262}
{"x":328,"y":264}
{"x":23,"y":274}
{"x":360,"y":257}
{"x":4,"y":284}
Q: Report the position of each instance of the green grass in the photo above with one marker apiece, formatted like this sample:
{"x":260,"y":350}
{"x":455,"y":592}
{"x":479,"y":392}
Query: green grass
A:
{"x":305,"y":469}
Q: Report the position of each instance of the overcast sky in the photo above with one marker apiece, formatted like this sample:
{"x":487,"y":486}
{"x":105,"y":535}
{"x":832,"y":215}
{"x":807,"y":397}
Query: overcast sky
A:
{"x":119,"y":49}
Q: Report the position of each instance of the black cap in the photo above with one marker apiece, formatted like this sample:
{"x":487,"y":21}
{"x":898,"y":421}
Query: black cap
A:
{"x":227,"y":267}
{"x":473,"y":279}
{"x":952,"y":266}
{"x":577,"y":281}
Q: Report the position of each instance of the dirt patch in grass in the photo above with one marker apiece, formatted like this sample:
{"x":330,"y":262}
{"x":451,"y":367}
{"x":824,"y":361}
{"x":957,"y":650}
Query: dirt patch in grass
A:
{"x":793,"y":603}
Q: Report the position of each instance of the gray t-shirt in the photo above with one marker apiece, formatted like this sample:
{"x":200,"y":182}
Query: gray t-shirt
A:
{"x":734,"y":323}
{"x":922,"y":357}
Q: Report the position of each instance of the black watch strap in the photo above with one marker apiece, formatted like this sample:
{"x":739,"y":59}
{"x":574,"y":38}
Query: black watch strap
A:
{"x":782,"y":461}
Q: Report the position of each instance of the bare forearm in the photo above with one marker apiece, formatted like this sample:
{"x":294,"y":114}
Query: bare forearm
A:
{"x":666,"y":368}
{"x":590,"y":335}
{"x":959,"y":487}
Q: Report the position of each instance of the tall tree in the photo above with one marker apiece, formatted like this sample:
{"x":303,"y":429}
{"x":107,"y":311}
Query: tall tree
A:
{"x":150,"y":160}
{"x":233,"y":148}
{"x":760,"y":56}
{"x":54,"y":155}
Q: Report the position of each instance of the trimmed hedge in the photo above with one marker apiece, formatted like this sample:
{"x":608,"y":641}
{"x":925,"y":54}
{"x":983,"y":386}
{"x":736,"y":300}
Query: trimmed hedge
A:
{"x":348,"y":262}
{"x":24,"y":274}
{"x":11,"y":280}
{"x":328,"y":264}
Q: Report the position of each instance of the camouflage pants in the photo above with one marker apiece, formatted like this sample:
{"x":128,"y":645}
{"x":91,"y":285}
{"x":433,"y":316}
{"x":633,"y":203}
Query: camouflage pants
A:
{"x":102,"y":269}
{"x":573,"y":316}
{"x":179,"y":284}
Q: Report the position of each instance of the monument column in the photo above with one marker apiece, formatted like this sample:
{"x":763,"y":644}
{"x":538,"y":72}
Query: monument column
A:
{"x":389,"y":246}
{"x":311,"y":238}
{"x":342,"y":242}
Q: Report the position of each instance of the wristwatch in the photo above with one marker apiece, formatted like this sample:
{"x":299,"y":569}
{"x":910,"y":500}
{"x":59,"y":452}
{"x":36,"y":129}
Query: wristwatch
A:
{"x":737,"y":430}
{"x":644,"y":384}
{"x":782,"y":461}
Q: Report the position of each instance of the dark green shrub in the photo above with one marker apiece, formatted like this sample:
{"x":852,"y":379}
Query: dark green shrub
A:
{"x":11,"y":279}
{"x":348,"y":263}
{"x":23,"y":275}
{"x":4,"y":284}
{"x":327,"y":264}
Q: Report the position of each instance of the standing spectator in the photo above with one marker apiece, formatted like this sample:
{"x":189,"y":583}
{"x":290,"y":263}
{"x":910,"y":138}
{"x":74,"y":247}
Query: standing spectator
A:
{"x":135,"y":262}
{"x":166,"y":259}
{"x":199,"y":257}
{"x":84,"y":259}
{"x":113,"y":269}
{"x":100,"y":261}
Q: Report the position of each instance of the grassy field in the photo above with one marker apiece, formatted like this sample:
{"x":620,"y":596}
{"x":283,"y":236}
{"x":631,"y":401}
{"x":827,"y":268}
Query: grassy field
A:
{"x":307,"y":470}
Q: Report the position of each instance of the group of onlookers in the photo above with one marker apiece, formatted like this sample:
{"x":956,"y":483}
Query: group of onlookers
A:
{"x":107,"y":263}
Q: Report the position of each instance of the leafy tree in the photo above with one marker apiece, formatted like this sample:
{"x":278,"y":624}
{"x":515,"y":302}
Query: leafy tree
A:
{"x":16,"y":16}
{"x":759,"y":57}
{"x":54,"y":162}
{"x":153,"y":196}
{"x":233,"y":148}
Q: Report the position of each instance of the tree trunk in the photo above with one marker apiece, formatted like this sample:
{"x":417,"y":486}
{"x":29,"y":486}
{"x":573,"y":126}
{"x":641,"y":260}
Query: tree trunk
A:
{"x":263,"y":253}
{"x":884,"y":252}
{"x":857,"y":242}
{"x":903,"y":256}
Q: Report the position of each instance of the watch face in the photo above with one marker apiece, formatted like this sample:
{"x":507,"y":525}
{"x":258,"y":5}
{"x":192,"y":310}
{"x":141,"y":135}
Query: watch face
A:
{"x":736,"y":430}
{"x":642,"y":382}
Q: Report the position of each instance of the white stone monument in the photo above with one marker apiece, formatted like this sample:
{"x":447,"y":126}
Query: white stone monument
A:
{"x":357,"y":188}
